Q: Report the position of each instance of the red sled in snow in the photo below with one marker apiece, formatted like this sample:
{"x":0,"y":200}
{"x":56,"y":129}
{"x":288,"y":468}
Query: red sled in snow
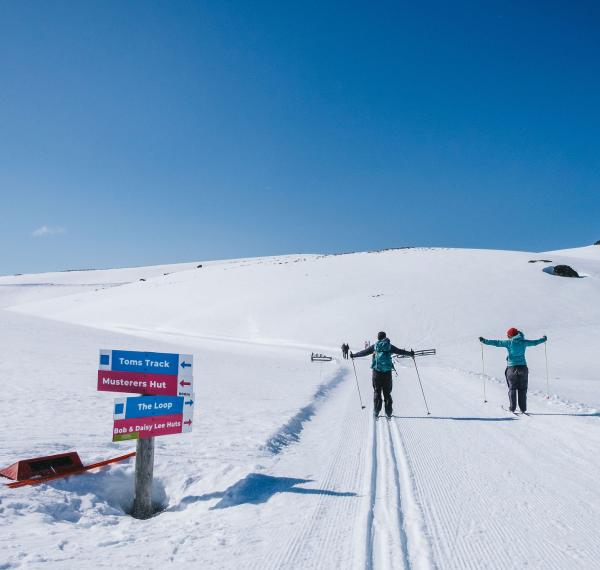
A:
{"x":42,"y":469}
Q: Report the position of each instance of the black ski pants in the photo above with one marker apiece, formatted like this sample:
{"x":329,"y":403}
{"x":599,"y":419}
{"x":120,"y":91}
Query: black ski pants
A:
{"x":517,"y":378}
{"x":382,"y":383}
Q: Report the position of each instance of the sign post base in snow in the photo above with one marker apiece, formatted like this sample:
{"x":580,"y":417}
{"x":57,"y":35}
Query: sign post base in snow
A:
{"x":144,"y":471}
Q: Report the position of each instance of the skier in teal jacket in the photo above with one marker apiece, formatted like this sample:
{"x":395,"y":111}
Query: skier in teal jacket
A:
{"x":517,"y":373}
{"x":382,"y":366}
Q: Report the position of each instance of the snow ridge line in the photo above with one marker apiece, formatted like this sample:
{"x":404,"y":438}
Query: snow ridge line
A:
{"x":72,"y":285}
{"x":290,"y":432}
{"x":266,"y":343}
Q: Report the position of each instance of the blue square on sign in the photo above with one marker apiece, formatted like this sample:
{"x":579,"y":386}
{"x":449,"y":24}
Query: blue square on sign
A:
{"x":104,"y":359}
{"x":119,"y":408}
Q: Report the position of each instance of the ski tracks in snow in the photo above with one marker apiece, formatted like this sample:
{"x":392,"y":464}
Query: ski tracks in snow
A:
{"x":377,"y":523}
{"x":498,"y":492}
{"x":396,"y":536}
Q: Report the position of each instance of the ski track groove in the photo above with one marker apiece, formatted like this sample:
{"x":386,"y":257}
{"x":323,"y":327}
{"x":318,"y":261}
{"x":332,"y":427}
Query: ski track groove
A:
{"x":389,"y":543}
{"x":372,"y":497}
{"x":318,"y":542}
{"x":399,"y":517}
{"x":465,"y":553}
{"x":418,"y":542}
{"x":444,"y":478}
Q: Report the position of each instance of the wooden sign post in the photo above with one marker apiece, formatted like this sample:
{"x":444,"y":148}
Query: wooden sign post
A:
{"x":165,"y":407}
{"x":144,"y":470}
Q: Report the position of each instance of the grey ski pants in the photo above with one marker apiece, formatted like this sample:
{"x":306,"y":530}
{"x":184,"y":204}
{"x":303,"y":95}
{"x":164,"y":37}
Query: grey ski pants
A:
{"x":517,"y":378}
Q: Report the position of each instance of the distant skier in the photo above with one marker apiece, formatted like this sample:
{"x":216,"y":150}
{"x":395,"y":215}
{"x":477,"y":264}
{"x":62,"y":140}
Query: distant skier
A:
{"x":345,"y":349}
{"x":382,"y":366}
{"x":517,"y":373}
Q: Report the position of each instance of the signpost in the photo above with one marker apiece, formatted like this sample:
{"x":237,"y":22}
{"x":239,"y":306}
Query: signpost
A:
{"x":152,"y":416}
{"x":165,"y":407}
{"x":149,"y":373}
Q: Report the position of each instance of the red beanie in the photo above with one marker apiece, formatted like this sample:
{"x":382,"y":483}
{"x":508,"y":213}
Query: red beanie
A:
{"x":512,"y":332}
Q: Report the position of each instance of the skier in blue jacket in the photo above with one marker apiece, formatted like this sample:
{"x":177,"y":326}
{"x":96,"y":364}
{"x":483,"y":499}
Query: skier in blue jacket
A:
{"x":517,"y":373}
{"x":382,"y":366}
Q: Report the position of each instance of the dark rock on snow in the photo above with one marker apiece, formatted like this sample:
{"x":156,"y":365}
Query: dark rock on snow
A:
{"x":565,"y":271}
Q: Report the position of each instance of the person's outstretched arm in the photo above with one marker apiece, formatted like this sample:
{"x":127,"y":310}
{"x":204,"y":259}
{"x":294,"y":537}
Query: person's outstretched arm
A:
{"x":536,"y":341}
{"x":401,"y":351}
{"x":489,"y":342}
{"x":364,"y":352}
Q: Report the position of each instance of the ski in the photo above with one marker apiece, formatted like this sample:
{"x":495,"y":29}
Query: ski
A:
{"x":516,"y":413}
{"x":510,"y":411}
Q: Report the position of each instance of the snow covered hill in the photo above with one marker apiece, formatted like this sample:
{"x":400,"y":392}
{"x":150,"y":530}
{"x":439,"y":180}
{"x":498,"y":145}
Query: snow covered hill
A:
{"x":423,"y":298}
{"x":283,"y":469}
{"x":24,"y":288}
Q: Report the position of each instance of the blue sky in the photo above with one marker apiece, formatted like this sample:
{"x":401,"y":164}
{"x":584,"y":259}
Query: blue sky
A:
{"x":134,"y":133}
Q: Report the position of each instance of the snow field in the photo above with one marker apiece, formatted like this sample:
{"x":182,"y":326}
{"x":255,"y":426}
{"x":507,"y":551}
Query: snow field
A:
{"x":54,"y":407}
{"x":499,"y":491}
{"x":283,"y":469}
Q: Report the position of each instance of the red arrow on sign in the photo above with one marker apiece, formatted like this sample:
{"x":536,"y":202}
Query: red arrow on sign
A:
{"x":182,"y":383}
{"x":188,"y":423}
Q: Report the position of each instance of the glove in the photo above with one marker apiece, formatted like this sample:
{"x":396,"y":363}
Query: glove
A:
{"x":352,"y":355}
{"x":412,"y":353}
{"x":545,"y":338}
{"x":481,"y":339}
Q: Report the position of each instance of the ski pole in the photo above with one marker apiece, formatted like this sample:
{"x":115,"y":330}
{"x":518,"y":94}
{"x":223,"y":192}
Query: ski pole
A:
{"x":547,"y":381}
{"x":483,"y":373}
{"x":420,"y":384}
{"x":357,"y":386}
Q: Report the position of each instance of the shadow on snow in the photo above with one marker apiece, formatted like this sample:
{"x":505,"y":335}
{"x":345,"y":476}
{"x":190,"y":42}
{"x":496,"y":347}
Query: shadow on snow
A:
{"x":255,"y":489}
{"x":500,"y":419}
{"x":457,"y":418}
{"x":574,"y":414}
